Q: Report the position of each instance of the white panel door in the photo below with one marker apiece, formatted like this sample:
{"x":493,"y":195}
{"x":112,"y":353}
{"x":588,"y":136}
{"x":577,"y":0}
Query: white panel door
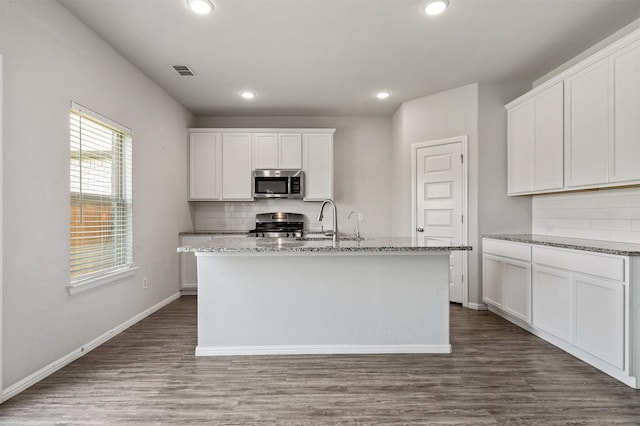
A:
{"x":599,"y":319}
{"x":439,"y":203}
{"x":265,"y":151}
{"x":588,"y":126}
{"x":236,"y":166}
{"x":552,"y":302}
{"x":290,"y":151}
{"x":625,"y":150}
{"x":204,"y":166}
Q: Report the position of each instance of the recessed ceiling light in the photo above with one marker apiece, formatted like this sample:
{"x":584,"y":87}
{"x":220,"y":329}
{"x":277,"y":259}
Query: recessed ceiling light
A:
{"x":247,"y":94}
{"x":383,"y":94}
{"x":200,"y":6}
{"x":434,"y":7}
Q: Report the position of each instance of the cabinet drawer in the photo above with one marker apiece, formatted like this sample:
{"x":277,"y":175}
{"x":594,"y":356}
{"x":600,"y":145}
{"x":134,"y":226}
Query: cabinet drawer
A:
{"x":507,"y":249}
{"x":594,"y":264}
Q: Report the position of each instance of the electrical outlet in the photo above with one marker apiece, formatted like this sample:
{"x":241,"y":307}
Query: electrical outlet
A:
{"x":145,"y":283}
{"x":360,"y":217}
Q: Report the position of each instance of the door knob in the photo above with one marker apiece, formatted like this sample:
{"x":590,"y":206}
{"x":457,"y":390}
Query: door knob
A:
{"x":420,"y":229}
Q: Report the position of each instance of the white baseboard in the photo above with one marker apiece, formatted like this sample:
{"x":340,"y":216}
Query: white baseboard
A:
{"x":321,"y":349}
{"x":56,"y":365}
{"x":189,"y":290}
{"x":477,"y":306}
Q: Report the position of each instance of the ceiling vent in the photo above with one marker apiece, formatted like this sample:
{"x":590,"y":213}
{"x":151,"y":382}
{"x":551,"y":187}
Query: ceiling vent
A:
{"x":183,"y":70}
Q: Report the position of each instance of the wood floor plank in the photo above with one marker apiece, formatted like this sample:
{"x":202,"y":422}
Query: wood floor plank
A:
{"x":497,"y":374}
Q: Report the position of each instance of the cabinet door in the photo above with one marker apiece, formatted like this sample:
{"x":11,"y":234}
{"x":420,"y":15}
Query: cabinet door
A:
{"x":588,"y":126}
{"x":318,"y":166}
{"x":265,"y":151}
{"x":290,"y":154}
{"x":520,"y":121}
{"x":625,"y":150}
{"x":548,"y":152}
{"x":492,"y":280}
{"x":551,"y":301}
{"x":204,"y":166}
{"x":236,"y":166}
{"x":188,"y":264}
{"x":517,"y":290}
{"x":599,"y":319}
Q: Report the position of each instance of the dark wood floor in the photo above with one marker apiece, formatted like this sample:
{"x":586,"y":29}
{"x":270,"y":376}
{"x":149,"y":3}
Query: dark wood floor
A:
{"x":497,"y":374}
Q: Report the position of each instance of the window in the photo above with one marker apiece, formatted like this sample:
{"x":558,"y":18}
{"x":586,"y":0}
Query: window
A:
{"x":101,"y":202}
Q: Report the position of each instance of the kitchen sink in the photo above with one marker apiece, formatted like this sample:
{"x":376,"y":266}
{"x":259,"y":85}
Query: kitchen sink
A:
{"x":320,"y":237}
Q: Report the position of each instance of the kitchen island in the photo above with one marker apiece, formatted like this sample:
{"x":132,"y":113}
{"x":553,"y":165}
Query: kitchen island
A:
{"x":260,"y":296}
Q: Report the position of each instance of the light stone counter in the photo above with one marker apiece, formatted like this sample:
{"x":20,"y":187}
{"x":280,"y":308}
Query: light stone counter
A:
{"x":597,"y":246}
{"x":245,"y":244}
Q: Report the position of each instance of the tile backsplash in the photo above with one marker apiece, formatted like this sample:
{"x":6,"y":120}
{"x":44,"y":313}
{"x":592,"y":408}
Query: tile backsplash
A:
{"x":241,"y":216}
{"x":607,"y":214}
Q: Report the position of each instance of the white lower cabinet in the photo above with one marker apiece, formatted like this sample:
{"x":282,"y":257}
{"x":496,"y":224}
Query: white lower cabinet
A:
{"x":585,"y":311}
{"x":517,"y":292}
{"x":506,"y":272}
{"x":188,"y":264}
{"x":492,"y":280}
{"x":579,"y":301}
{"x":599,"y":319}
{"x":552,"y":302}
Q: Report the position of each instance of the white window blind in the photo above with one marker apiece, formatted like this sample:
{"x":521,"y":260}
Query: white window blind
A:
{"x":101,"y":195}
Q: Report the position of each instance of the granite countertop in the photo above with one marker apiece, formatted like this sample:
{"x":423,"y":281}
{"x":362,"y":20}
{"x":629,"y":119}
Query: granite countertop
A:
{"x":244,"y":244}
{"x":213,"y":233}
{"x":598,"y":246}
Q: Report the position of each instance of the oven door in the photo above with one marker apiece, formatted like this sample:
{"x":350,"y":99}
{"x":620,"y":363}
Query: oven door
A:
{"x":271,"y":187}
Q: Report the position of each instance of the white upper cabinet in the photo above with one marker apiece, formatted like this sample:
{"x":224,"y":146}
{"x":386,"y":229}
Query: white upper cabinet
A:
{"x":265,"y":150}
{"x":584,"y":136}
{"x":625,"y":152}
{"x":277,"y":151}
{"x":221,"y":161}
{"x":205,"y":161}
{"x":588,"y":126}
{"x":535,"y":142}
{"x":520,"y":126}
{"x":548,"y":151}
{"x":236,"y":166}
{"x":290,"y":150}
{"x":318,"y":166}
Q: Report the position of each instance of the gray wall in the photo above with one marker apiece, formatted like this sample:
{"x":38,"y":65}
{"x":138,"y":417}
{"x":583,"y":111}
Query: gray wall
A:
{"x":50,"y":59}
{"x":443,"y":115}
{"x":439,"y":116}
{"x":362,"y":172}
{"x":475,"y":110}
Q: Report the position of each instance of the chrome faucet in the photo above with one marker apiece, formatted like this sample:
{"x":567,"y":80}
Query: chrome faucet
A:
{"x":356,"y":231}
{"x":334,"y":232}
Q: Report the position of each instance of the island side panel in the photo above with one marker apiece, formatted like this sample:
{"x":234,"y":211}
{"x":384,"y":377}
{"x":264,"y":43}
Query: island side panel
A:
{"x":344,"y":303}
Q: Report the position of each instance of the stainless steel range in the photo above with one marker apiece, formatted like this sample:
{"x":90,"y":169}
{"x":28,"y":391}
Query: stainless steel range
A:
{"x":278,"y":225}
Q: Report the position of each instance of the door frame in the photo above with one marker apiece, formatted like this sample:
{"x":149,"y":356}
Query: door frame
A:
{"x":463,"y":140}
{"x":1,"y":231}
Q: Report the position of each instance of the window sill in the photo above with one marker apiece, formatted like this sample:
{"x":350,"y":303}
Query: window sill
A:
{"x":91,"y":283}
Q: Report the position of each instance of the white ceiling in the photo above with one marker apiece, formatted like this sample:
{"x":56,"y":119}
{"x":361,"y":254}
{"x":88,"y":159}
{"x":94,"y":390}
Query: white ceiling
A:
{"x":329,"y":57}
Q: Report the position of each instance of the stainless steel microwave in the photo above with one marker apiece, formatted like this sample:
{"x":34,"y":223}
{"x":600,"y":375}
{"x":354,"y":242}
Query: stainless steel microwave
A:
{"x":278,"y":183}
